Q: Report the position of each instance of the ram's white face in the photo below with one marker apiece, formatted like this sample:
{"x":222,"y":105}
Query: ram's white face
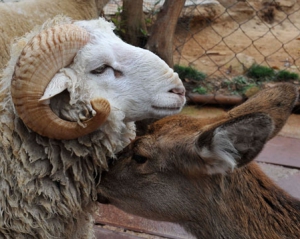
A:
{"x":135,"y":81}
{"x":132,"y":79}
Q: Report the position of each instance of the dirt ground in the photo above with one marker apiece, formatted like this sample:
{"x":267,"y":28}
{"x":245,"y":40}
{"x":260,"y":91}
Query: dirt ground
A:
{"x":213,"y":39}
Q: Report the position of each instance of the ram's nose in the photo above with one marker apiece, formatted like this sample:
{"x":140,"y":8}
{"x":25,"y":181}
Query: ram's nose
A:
{"x":178,"y":90}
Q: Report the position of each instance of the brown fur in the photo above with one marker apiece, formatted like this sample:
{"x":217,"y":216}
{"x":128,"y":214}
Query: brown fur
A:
{"x":168,"y":175}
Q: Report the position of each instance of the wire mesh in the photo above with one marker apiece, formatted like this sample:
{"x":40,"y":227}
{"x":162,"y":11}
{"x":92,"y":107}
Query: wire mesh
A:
{"x":224,"y":38}
{"x":218,"y":36}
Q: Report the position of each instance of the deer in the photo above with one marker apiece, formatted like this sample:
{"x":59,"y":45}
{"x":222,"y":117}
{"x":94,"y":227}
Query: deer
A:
{"x":200,"y":173}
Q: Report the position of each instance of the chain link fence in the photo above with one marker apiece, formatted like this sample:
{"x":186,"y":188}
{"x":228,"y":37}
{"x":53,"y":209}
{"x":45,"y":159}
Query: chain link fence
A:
{"x":211,"y":35}
{"x":217,"y":38}
{"x":223,"y":39}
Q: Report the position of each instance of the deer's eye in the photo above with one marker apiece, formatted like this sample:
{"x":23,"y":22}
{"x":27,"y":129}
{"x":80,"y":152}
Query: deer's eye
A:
{"x":139,"y":159}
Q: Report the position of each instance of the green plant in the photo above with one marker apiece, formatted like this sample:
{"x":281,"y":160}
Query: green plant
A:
{"x":241,"y":85}
{"x":200,"y":90}
{"x":144,"y":32}
{"x":187,"y":72}
{"x":118,"y":22}
{"x":284,"y":75}
{"x":240,"y":80}
{"x":261,"y":73}
{"x":152,"y":12}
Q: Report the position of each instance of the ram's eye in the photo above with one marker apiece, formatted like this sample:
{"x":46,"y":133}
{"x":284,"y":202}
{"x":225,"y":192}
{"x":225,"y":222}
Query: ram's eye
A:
{"x":139,"y":159}
{"x":99,"y":70}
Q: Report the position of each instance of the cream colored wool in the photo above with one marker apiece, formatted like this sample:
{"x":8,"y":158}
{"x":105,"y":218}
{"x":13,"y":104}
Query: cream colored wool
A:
{"x":49,"y":186}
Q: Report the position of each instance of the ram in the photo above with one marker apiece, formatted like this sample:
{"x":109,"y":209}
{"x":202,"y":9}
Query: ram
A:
{"x":68,"y":100}
{"x":17,"y":18}
{"x":200,"y":173}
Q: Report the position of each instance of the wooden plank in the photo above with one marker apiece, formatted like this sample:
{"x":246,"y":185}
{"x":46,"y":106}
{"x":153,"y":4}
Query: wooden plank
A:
{"x":286,"y":178}
{"x":102,"y":233}
{"x":291,"y":184}
{"x":281,"y":151}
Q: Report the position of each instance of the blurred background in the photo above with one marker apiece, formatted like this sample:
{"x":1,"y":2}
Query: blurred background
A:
{"x":220,"y":47}
{"x":227,"y":48}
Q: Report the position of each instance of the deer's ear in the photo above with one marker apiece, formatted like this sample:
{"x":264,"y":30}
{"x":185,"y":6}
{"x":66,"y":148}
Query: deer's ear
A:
{"x":233,"y":143}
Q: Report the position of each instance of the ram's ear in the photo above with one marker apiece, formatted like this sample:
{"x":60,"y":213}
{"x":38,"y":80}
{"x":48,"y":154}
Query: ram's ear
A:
{"x":60,"y":82}
{"x":233,"y":143}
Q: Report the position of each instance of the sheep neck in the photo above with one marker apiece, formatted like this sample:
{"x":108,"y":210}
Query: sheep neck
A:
{"x":60,"y":177}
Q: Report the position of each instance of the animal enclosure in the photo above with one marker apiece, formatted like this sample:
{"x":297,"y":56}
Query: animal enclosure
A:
{"x":220,"y":37}
{"x":211,"y":35}
{"x":223,"y":39}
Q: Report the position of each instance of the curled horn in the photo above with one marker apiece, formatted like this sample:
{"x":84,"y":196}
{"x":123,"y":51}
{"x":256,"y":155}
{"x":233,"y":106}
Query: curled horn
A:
{"x":39,"y":61}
